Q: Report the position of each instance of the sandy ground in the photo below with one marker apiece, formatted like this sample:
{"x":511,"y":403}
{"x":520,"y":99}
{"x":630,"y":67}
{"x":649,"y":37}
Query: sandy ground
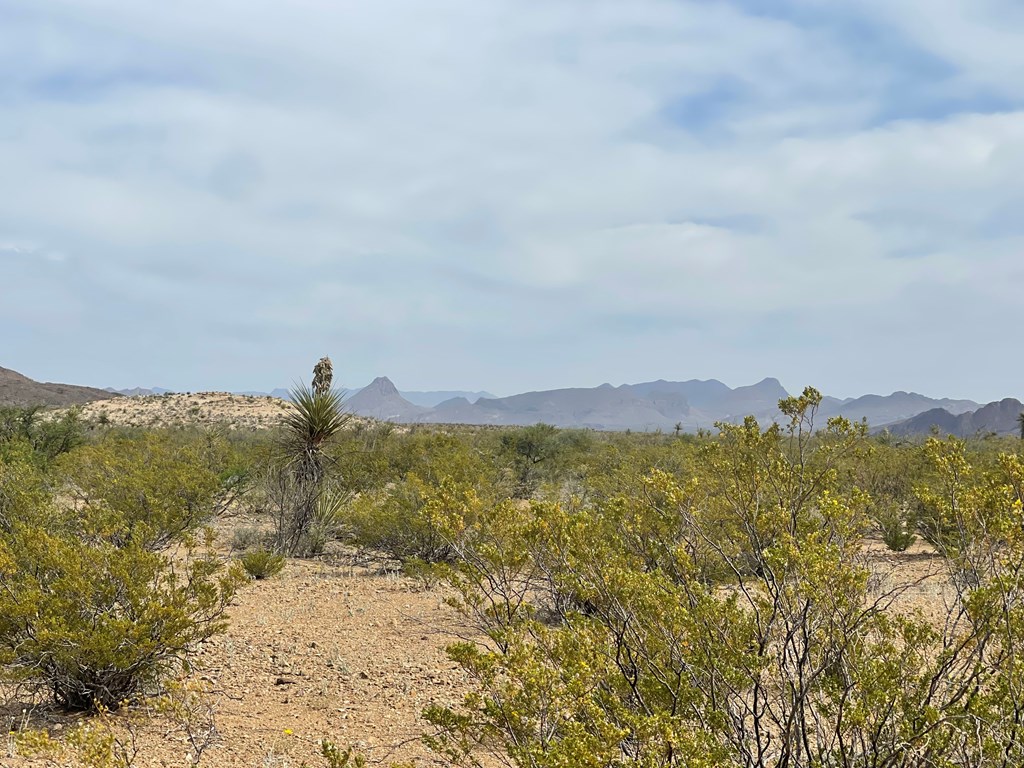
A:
{"x":327,"y":650}
{"x":223,"y":408}
{"x":320,"y":651}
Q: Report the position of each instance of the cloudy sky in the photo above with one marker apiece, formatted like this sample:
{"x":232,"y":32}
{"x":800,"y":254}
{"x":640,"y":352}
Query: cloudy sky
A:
{"x":514,"y":194}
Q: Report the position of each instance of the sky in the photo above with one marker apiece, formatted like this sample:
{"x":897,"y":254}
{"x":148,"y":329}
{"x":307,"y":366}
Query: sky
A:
{"x":514,"y":195}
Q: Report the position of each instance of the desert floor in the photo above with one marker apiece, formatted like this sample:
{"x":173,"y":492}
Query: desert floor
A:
{"x":320,"y":651}
{"x":352,"y":654}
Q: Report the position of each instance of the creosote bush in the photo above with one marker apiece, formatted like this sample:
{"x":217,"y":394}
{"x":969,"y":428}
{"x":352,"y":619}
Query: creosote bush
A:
{"x":150,"y":489}
{"x":91,"y":609}
{"x":725,"y":617}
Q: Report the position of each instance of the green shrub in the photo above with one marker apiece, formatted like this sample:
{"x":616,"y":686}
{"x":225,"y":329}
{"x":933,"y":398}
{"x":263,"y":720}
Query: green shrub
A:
{"x":23,"y":490}
{"x":88,"y":610}
{"x":262,"y":564}
{"x":729,"y":616}
{"x":341,"y":758}
{"x":95,"y":623}
{"x":47,"y":438}
{"x":415,"y":519}
{"x":897,"y":525}
{"x":149,"y":489}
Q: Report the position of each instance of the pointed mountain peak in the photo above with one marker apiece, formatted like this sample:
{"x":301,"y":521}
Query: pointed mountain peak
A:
{"x":382,"y":385}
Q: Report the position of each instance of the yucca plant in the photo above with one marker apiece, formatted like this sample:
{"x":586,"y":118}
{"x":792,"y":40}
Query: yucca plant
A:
{"x":315,"y":417}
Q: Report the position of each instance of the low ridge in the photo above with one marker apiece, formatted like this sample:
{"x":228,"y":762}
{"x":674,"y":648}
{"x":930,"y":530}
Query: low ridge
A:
{"x":19,"y":390}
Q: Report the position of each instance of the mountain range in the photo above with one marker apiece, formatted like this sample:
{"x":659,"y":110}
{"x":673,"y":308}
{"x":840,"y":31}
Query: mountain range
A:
{"x":648,"y":406}
{"x":692,"y":405}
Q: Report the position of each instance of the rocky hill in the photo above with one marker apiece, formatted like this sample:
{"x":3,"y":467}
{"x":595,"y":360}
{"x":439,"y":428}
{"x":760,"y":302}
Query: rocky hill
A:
{"x":381,"y":400}
{"x":19,"y":390}
{"x":1001,"y":418}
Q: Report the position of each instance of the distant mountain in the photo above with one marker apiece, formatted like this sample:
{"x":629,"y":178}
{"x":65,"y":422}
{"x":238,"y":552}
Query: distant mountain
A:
{"x":697,"y":393}
{"x":880,"y":410}
{"x":138,"y":391}
{"x":999,"y":417}
{"x":19,"y":390}
{"x":647,"y":406}
{"x":432,"y":398}
{"x":604,"y":407}
{"x":760,"y":400}
{"x":381,"y":400}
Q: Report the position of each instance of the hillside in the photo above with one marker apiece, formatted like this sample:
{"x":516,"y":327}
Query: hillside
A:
{"x":192,"y":408}
{"x":19,"y":390}
{"x":880,"y":410}
{"x":1001,"y":418}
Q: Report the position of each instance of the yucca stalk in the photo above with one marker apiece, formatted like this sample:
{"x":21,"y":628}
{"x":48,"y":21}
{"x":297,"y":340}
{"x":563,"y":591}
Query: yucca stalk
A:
{"x":323,"y":373}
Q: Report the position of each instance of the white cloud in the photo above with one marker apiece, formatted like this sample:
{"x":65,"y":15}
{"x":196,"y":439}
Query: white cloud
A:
{"x":452,"y":193}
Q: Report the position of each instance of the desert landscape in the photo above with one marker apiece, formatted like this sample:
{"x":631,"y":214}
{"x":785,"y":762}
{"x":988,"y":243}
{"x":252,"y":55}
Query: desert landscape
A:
{"x":322,"y":651}
{"x":350,"y":639}
{"x":331,"y":650}
{"x":490,"y":384}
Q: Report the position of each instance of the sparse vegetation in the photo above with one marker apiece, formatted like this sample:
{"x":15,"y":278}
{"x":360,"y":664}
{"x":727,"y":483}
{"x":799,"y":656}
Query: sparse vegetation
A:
{"x":727,"y":618}
{"x":89,"y":611}
{"x":733,"y":598}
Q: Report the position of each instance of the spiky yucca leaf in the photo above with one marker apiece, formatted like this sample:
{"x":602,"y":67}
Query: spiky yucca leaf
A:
{"x":330,"y":510}
{"x":315,"y":417}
